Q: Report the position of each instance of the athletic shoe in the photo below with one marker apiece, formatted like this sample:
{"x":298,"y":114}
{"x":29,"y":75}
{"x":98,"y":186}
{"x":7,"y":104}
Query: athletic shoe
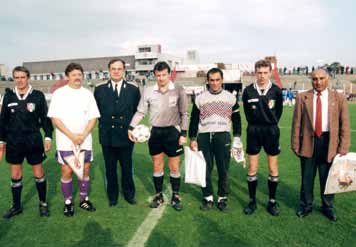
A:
{"x":176,"y":203}
{"x":272,"y":208}
{"x":222,"y":205}
{"x":206,"y":205}
{"x":44,"y":210}
{"x":68,"y":208}
{"x":87,"y":205}
{"x":12,"y":212}
{"x":251,"y":207}
{"x":157,"y":201}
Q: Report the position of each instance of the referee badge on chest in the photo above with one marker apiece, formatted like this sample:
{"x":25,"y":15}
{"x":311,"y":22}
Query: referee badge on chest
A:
{"x":271,"y":103}
{"x":31,"y":107}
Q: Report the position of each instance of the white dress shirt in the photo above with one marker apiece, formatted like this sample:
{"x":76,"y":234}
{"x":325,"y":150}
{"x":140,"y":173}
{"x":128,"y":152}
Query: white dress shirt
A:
{"x":324,"y":113}
{"x":113,"y":84}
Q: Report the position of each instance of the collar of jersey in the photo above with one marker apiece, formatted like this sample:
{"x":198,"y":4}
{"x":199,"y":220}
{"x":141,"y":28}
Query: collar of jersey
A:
{"x":255,"y":85}
{"x":216,"y":92}
{"x":170,"y":86}
{"x":29,"y":90}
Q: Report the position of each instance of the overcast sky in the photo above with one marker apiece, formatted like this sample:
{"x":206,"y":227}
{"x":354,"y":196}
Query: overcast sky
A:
{"x":234,"y":31}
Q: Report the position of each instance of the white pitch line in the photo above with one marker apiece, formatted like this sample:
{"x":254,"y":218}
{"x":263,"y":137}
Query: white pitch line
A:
{"x":144,"y":231}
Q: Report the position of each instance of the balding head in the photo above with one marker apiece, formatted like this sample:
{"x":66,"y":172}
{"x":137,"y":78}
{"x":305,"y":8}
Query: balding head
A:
{"x":320,"y":79}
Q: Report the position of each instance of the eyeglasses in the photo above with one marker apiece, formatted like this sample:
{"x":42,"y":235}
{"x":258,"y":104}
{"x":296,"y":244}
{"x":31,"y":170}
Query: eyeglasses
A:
{"x":318,"y":78}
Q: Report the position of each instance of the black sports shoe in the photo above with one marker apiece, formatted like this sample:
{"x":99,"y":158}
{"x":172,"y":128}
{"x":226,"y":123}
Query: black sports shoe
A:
{"x":157,"y":201}
{"x":43,"y":208}
{"x":12,"y":212}
{"x":206,"y":205}
{"x":68,"y":209}
{"x":251,"y":207}
{"x":222,"y":205}
{"x":175,"y":202}
{"x":272,"y":208}
{"x":87,"y":205}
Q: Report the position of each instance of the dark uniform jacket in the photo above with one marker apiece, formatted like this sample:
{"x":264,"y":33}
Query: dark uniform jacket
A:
{"x":262,"y":109}
{"x":116,"y":112}
{"x":23,"y":118}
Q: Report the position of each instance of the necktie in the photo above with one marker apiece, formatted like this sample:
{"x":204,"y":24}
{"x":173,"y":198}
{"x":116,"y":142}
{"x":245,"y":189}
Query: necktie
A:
{"x":318,"y":116}
{"x":115,"y":91}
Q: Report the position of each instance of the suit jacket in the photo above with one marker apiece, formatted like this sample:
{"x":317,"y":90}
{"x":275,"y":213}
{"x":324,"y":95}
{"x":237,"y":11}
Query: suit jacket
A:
{"x":302,"y":139}
{"x":116,"y":112}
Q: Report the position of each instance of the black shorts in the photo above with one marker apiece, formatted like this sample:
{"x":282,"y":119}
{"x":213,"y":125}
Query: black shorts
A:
{"x":166,"y":140}
{"x":263,"y":136}
{"x":29,"y":147}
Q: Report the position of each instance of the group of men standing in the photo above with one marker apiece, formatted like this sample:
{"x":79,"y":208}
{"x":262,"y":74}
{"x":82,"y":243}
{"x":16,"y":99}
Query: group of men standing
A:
{"x":320,"y":131}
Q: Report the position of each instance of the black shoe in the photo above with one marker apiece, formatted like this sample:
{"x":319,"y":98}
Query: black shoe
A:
{"x":44,"y":210}
{"x":329,"y":213}
{"x":176,"y":203}
{"x":112,"y":203}
{"x":222,"y":205}
{"x":157,"y":201}
{"x":251,"y":207}
{"x":206,"y":205}
{"x":12,"y":212}
{"x":87,"y":205}
{"x":303,"y":212}
{"x":68,"y":209}
{"x":131,"y":201}
{"x":272,"y":208}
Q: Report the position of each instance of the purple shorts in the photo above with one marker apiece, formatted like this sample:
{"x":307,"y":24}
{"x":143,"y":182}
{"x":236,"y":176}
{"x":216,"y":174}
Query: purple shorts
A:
{"x":60,"y":155}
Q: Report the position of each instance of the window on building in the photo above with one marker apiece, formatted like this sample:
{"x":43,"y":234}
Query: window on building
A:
{"x":144,"y":49}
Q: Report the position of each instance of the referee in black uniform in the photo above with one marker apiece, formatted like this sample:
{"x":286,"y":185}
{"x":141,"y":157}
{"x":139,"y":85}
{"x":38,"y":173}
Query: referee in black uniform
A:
{"x":24,"y":112}
{"x":117,"y":101}
{"x":263,"y":106}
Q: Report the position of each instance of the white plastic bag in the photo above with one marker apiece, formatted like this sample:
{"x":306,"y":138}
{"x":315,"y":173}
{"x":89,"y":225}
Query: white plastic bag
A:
{"x":342,"y":174}
{"x":195,"y":167}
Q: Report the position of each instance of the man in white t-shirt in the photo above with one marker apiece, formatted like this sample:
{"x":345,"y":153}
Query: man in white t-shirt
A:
{"x":73,"y":111}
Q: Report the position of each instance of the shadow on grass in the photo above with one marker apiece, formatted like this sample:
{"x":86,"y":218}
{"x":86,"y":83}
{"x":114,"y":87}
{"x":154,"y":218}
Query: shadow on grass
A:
{"x":143,"y":171}
{"x":213,"y":235}
{"x":5,"y":227}
{"x":95,"y":235}
{"x":161,"y":240}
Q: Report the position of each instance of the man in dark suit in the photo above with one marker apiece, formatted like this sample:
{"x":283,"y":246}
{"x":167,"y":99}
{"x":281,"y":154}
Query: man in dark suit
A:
{"x":117,"y":100}
{"x":320,"y":130}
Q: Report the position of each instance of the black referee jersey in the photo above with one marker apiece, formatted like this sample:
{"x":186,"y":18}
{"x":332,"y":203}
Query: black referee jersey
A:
{"x":20,"y":117}
{"x":262,"y":108}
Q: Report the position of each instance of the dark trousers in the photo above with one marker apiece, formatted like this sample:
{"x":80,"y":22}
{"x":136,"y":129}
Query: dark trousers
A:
{"x":111,"y":156}
{"x":216,"y":145}
{"x":308,"y":169}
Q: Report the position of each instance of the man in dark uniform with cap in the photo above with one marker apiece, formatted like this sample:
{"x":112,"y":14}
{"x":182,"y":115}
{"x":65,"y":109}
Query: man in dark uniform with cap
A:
{"x":117,"y":101}
{"x":24,"y":112}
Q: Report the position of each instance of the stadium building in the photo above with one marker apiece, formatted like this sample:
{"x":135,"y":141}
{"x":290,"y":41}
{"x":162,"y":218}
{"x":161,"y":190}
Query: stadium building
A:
{"x":141,"y":63}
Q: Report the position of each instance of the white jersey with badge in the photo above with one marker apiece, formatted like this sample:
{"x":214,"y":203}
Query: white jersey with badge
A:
{"x":74,"y":107}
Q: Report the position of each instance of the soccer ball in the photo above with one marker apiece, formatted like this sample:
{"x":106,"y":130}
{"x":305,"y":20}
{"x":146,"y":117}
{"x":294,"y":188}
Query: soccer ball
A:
{"x":141,"y":133}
